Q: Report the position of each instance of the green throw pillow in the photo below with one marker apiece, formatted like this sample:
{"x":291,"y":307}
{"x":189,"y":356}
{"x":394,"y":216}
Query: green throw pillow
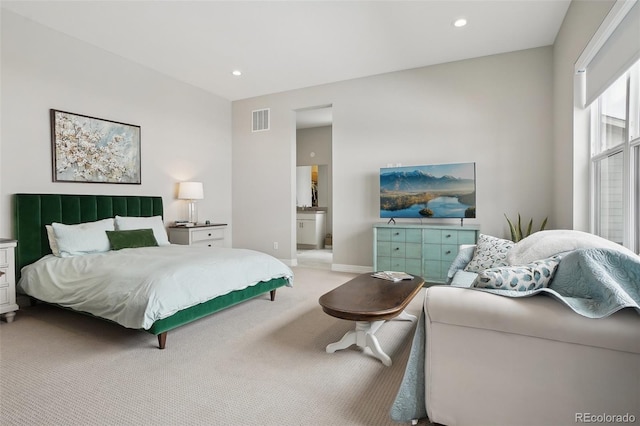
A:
{"x":131,"y":239}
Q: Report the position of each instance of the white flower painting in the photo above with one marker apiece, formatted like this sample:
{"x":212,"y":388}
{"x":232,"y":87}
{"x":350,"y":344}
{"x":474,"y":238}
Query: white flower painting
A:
{"x":87,"y":149}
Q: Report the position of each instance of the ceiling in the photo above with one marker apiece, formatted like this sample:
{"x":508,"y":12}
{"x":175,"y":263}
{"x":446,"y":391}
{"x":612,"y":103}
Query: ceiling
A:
{"x":285,"y":45}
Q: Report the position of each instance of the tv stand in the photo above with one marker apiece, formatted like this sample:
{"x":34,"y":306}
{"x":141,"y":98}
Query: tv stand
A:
{"x":423,"y":250}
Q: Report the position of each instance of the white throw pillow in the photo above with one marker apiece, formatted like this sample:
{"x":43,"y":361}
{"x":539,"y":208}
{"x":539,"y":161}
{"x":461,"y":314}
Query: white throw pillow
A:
{"x":53,"y":245}
{"x":491,"y":252}
{"x":128,"y":223}
{"x":83,"y":238}
{"x":543,"y":244}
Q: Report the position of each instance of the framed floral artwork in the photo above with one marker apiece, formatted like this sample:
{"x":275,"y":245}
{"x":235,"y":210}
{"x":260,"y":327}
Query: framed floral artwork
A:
{"x":89,"y":149}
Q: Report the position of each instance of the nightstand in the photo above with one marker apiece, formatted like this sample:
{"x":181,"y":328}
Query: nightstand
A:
{"x":8,"y":304}
{"x":199,"y":235}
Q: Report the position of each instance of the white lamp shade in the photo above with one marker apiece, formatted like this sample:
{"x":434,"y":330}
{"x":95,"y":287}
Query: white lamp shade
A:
{"x":190,"y":191}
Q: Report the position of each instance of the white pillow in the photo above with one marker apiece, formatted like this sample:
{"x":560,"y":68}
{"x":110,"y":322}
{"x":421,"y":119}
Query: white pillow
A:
{"x":543,"y":244}
{"x":83,"y":238}
{"x":490,"y":252}
{"x":128,"y":223}
{"x":53,"y":245}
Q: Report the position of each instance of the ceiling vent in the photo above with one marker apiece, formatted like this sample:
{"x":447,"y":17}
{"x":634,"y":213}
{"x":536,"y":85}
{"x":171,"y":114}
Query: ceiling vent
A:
{"x":260,"y":120}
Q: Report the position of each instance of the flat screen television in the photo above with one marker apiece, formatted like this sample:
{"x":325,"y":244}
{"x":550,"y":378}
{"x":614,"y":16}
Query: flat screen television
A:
{"x":428,"y":191}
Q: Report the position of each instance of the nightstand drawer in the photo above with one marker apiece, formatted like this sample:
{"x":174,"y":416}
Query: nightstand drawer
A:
{"x":4,"y":277}
{"x":209,"y":235}
{"x":198,"y":235}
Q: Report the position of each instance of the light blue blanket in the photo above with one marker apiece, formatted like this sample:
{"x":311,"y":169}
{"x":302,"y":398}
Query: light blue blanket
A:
{"x":595,"y":283}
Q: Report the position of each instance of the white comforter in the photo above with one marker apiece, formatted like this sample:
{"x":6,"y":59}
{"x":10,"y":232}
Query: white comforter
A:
{"x":136,"y":287}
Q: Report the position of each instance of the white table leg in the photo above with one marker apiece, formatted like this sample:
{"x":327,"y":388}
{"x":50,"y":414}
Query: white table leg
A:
{"x":364,"y":337}
{"x":404,"y":316}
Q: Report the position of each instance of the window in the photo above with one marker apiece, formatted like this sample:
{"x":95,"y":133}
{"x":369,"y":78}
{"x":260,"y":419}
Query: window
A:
{"x":615,"y":161}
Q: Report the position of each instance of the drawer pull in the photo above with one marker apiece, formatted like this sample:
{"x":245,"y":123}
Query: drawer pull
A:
{"x":209,"y":234}
{"x":448,"y":235}
{"x":1,"y":273}
{"x":397,"y":233}
{"x":397,"y":248}
{"x":448,"y":252}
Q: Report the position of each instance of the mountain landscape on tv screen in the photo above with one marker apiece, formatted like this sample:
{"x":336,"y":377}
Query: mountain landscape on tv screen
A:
{"x":418,"y":193}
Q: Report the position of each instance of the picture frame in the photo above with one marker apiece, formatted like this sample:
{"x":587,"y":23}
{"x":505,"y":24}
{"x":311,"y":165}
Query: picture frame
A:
{"x":94,"y":150}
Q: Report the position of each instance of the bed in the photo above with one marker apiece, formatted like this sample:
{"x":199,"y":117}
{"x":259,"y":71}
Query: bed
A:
{"x":178,"y":264}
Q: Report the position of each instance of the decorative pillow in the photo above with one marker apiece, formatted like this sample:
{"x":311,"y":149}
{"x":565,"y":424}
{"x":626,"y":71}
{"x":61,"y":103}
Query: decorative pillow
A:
{"x":543,"y":244}
{"x":53,"y":245}
{"x":533,"y":276}
{"x":132,"y":239}
{"x":491,"y":252}
{"x":83,"y":238}
{"x":128,"y":223}
{"x":462,"y":259}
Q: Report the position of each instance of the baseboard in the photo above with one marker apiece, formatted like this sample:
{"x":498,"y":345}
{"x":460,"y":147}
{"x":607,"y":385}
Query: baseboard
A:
{"x":289,"y":262}
{"x":356,"y":269}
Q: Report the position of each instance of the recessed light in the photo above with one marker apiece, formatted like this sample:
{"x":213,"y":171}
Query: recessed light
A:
{"x":237,"y":73}
{"x":461,"y":22}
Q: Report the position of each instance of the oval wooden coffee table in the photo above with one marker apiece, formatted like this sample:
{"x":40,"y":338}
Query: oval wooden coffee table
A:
{"x":369,"y":302}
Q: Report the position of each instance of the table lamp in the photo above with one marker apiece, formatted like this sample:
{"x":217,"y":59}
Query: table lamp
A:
{"x":191,"y":191}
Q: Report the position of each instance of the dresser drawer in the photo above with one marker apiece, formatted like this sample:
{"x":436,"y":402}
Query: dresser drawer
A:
{"x":432,"y":251}
{"x":4,"y":258}
{"x":432,"y":269}
{"x":413,"y":236}
{"x":383,"y":248}
{"x":398,"y":249}
{"x":466,"y":237}
{"x":413,"y":250}
{"x":432,"y":236}
{"x":383,"y":234}
{"x":383,"y":263}
{"x":449,"y":252}
{"x":398,"y":235}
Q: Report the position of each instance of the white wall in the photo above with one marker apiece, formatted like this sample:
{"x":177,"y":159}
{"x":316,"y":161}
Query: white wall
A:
{"x":186,"y":132}
{"x":571,"y":122}
{"x":495,"y":111}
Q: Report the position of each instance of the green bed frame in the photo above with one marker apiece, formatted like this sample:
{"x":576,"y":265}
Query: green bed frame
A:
{"x":33,"y":211}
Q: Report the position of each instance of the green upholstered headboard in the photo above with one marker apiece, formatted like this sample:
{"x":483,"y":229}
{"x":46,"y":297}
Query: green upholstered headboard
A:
{"x":33,"y":211}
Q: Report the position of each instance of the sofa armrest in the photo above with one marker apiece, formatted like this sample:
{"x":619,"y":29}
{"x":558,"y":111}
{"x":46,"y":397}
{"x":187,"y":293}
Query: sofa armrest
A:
{"x":482,"y":349}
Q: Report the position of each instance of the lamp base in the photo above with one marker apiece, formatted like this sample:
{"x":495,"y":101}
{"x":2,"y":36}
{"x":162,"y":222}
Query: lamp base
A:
{"x":192,"y":209}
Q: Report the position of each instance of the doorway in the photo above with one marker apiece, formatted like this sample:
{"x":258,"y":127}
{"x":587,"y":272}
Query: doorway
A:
{"x":314,"y":197}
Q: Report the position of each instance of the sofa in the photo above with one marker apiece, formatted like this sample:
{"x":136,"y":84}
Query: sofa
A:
{"x":528,"y":360}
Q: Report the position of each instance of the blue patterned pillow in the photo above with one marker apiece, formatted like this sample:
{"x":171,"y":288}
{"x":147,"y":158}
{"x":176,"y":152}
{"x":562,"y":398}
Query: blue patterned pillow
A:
{"x":491,"y":252}
{"x":532,"y":276}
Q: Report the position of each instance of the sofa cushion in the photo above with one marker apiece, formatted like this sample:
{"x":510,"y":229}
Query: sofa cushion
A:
{"x":490,"y":252}
{"x":537,"y":316}
{"x":532,"y":276}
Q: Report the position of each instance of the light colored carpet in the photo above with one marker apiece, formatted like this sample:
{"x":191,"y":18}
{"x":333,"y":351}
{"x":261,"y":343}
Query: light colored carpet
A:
{"x":258,"y":363}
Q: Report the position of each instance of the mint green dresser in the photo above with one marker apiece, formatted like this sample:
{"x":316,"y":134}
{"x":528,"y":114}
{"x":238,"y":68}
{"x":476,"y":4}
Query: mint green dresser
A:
{"x":424,"y":250}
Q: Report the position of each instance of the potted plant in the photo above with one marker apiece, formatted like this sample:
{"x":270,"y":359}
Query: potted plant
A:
{"x":516,"y":231}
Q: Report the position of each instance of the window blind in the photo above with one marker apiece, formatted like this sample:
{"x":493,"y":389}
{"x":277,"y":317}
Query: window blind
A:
{"x":620,"y":50}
